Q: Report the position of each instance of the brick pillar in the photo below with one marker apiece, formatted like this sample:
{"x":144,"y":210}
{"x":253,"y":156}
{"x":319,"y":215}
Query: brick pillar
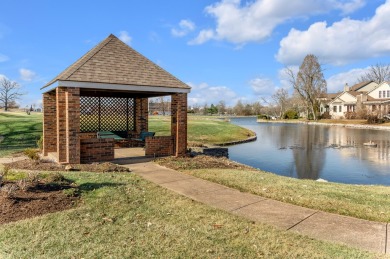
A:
{"x":73,"y":125}
{"x":68,"y":125}
{"x":49,"y":123}
{"x":141,"y":114}
{"x":179,"y":123}
{"x":61,"y":124}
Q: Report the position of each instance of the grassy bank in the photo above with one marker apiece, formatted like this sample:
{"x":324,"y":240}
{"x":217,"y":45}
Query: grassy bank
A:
{"x":360,"y":201}
{"x":19,"y":131}
{"x":123,"y":216}
{"x":332,"y":121}
{"x":202,"y":129}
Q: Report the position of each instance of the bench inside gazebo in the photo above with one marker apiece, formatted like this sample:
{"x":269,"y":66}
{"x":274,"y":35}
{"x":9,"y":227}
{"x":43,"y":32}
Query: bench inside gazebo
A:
{"x":102,"y":99}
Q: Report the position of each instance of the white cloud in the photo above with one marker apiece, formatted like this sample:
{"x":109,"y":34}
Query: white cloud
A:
{"x":3,"y":58}
{"x":203,"y":36}
{"x":262,"y":86}
{"x":349,"y":6}
{"x":340,"y":43}
{"x":255,"y":21}
{"x":26,"y":75}
{"x":125,"y":37}
{"x":185,"y":27}
{"x":203,"y":93}
{"x":336,"y":82}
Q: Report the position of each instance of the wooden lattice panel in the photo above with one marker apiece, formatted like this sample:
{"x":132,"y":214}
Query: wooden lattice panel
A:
{"x":106,"y":114}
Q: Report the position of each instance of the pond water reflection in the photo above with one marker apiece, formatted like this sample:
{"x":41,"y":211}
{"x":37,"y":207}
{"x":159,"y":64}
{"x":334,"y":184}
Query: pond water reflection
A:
{"x":336,"y":154}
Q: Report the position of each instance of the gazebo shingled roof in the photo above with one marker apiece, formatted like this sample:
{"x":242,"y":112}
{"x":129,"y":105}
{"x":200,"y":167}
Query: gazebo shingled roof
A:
{"x":115,"y":63}
{"x":111,"y":76}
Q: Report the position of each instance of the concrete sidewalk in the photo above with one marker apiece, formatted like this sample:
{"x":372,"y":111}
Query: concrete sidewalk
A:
{"x":354,"y":232}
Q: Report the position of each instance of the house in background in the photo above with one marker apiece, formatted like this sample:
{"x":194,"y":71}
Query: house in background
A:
{"x":378,"y":100}
{"x":325,"y":99}
{"x":368,"y":96}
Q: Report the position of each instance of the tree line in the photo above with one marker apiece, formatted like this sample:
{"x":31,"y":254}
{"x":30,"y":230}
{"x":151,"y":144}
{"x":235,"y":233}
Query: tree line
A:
{"x":309,"y":88}
{"x":308,"y":83}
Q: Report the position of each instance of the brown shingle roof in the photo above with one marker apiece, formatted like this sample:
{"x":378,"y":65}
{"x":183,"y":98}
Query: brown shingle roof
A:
{"x":359,"y":85}
{"x":329,"y":96}
{"x":114,"y":62}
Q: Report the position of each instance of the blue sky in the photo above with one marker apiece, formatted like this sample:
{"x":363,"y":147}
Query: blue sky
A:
{"x":226,"y":50}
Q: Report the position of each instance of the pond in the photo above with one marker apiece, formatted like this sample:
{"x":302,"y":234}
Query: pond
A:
{"x":332,"y":153}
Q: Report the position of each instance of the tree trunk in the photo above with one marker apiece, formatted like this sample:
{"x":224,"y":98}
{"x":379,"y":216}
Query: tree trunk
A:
{"x":314,"y":114}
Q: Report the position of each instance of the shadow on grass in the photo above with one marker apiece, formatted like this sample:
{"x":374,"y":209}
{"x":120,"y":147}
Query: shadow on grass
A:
{"x":94,"y":186}
{"x":12,"y":115}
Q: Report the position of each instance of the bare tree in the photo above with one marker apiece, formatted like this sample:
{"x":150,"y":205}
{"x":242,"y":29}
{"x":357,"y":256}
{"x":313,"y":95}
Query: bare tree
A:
{"x":309,"y":83}
{"x":280,"y":97}
{"x":239,"y":108}
{"x":257,"y":108}
{"x":377,"y":73}
{"x":162,"y":105}
{"x":221,"y":107}
{"x":9,"y":92}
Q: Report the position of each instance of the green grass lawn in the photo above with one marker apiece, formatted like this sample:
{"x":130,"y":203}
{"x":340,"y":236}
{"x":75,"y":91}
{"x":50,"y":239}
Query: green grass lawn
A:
{"x":359,"y":201}
{"x":123,"y":216}
{"x":202,"y":129}
{"x":19,"y":131}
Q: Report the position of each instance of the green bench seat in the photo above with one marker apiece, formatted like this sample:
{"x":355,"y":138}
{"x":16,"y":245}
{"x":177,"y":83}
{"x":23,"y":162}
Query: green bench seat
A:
{"x":109,"y":134}
{"x":143,"y":135}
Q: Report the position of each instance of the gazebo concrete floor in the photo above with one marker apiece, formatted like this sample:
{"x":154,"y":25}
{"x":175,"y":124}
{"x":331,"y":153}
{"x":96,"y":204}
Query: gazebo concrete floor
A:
{"x":130,"y":155}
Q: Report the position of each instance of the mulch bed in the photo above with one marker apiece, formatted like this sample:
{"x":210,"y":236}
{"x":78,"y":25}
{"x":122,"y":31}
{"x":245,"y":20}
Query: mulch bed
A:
{"x":37,"y":200}
{"x":200,"y":162}
{"x":40,"y":197}
{"x":47,"y":165}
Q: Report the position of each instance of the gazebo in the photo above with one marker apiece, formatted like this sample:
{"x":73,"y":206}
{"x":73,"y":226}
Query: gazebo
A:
{"x":107,"y":89}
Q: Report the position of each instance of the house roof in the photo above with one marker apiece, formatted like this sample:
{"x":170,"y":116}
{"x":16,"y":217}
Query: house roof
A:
{"x":329,"y":96}
{"x":114,"y":62}
{"x":359,"y":85}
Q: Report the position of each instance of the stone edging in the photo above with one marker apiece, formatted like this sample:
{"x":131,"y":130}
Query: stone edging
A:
{"x":356,"y":126}
{"x":237,"y":142}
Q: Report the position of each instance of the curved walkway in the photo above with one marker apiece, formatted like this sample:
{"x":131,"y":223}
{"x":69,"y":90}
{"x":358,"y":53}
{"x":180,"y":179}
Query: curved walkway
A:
{"x":363,"y":234}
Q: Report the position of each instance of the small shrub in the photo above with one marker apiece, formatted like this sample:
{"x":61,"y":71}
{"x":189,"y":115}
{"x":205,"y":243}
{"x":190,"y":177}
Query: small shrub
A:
{"x":326,"y":116}
{"x":71,"y":192}
{"x":361,"y":113}
{"x":263,"y":117}
{"x":33,"y":177}
{"x":9,"y":190}
{"x":32,"y":153}
{"x":290,"y":114}
{"x":55,"y":178}
{"x":350,"y":115}
{"x":23,"y":184}
{"x":373,"y":119}
{"x":3,"y":173}
{"x":40,"y":143}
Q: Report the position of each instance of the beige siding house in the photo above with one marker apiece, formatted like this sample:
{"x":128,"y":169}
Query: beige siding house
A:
{"x":367,"y":95}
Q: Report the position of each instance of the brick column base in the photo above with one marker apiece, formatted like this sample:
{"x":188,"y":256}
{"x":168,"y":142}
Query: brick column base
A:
{"x":179,"y":123}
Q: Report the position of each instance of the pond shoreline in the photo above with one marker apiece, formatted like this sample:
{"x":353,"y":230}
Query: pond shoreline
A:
{"x":337,"y":154}
{"x":250,"y":139}
{"x":357,"y":126}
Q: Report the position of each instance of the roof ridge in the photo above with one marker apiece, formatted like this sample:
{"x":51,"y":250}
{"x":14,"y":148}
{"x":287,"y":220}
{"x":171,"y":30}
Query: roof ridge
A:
{"x":150,"y":61}
{"x":113,"y":61}
{"x":97,"y":48}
